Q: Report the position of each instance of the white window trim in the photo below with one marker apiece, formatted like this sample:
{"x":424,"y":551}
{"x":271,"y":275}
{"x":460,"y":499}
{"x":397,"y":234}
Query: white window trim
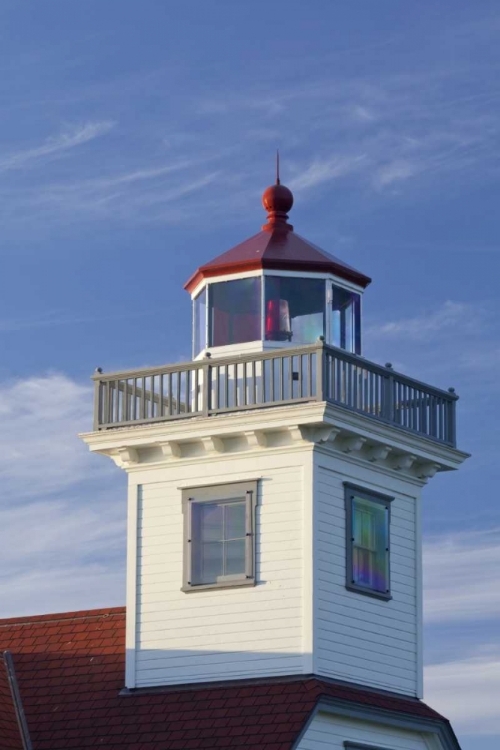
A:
{"x":214,"y":493}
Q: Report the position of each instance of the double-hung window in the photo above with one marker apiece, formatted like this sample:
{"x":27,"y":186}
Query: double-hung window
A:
{"x":368,"y":541}
{"x":219,"y":536}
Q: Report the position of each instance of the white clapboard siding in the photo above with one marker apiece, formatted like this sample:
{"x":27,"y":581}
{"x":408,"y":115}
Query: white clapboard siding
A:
{"x":356,"y":637}
{"x":327,"y":732}
{"x":224,"y":633}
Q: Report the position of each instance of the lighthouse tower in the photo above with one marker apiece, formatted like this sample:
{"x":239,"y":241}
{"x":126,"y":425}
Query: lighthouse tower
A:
{"x":274,"y":487}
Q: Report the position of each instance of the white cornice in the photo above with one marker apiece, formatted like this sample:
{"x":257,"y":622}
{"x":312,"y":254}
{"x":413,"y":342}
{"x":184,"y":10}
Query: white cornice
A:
{"x":277,"y":429}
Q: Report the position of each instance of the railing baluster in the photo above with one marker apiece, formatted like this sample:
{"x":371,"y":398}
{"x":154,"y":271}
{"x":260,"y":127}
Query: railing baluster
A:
{"x":320,"y":371}
{"x":244,"y":401}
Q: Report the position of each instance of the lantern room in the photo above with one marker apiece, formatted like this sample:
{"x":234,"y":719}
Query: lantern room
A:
{"x":275,"y":290}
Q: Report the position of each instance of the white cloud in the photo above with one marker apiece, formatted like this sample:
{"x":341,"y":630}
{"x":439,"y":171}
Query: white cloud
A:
{"x":142,"y":194}
{"x":466,"y":691}
{"x":62,"y":510}
{"x":39,"y":450}
{"x":63,"y":588}
{"x":462,"y":577}
{"x":320,"y":171}
{"x":55,"y":145}
{"x":395,"y":171}
{"x":448,"y":316}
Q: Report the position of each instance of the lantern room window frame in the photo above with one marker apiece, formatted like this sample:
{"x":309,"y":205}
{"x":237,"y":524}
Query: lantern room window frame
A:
{"x":330,"y":282}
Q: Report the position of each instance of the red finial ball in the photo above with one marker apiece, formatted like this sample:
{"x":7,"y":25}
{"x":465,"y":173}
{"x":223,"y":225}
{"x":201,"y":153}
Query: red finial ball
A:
{"x":277,"y":199}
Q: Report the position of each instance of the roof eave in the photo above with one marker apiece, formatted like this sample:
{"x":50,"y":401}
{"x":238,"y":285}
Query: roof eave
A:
{"x":225,"y":269}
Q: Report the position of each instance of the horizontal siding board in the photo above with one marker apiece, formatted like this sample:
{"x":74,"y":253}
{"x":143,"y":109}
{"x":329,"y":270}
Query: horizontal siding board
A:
{"x":396,"y":661}
{"x":246,"y":650}
{"x":239,"y":632}
{"x":359,"y":637}
{"x":374,"y":678}
{"x":156,"y":598}
{"x":278,"y":665}
{"x":373,"y":642}
{"x":211,"y":618}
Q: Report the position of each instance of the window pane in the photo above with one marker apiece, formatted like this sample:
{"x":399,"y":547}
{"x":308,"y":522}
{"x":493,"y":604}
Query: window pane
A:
{"x":211,"y":562}
{"x":345,"y":320}
{"x":200,"y":323}
{"x":235,"y":558}
{"x":294,"y":309}
{"x":370,"y":541}
{"x":235,"y":521}
{"x":211,"y":522}
{"x":235,"y":314}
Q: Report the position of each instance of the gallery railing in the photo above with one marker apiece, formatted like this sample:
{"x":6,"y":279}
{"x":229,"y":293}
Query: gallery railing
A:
{"x":287,"y":376}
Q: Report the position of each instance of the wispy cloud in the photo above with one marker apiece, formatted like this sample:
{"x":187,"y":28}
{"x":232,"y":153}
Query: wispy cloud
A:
{"x":396,"y":171}
{"x":62,"y":510}
{"x":54,"y":146}
{"x":466,"y":690}
{"x":39,"y":451}
{"x":146,"y":193}
{"x":320,"y":171}
{"x":59,"y":318}
{"x":418,"y":328}
{"x":462,"y":577}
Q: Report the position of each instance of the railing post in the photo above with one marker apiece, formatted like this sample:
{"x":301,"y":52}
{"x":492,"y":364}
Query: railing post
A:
{"x":388,"y":395}
{"x":320,"y":372}
{"x":207,"y":390}
{"x":452,"y":418}
{"x":97,"y":405}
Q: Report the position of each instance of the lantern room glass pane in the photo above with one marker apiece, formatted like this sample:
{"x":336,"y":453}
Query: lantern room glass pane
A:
{"x":235,"y":315}
{"x":200,"y":323}
{"x":294,"y":309}
{"x":346,"y":319}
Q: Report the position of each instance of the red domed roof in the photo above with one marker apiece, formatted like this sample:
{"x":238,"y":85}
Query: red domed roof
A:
{"x":277,"y":247}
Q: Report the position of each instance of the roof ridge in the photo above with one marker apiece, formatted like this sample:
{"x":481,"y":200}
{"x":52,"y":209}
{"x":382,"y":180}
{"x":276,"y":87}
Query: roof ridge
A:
{"x":82,"y":614}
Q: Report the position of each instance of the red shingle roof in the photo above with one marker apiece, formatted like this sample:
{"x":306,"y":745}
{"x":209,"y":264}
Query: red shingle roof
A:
{"x":70,"y":670}
{"x":281,"y":249}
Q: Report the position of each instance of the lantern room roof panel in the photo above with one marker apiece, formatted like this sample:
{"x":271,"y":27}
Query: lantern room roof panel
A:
{"x":280,"y":249}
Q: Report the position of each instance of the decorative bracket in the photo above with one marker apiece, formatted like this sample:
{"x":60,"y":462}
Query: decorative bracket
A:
{"x":352,"y":444}
{"x":403,"y":462}
{"x":256,"y":439}
{"x":378,"y":453}
{"x":319,"y":433}
{"x":213,"y":444}
{"x":296,"y":432}
{"x":427,"y":470}
{"x":126,"y":457}
{"x":171,"y":449}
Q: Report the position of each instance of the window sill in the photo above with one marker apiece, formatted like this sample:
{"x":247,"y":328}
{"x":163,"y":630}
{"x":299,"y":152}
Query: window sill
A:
{"x":368,"y":592}
{"x":220,"y":585}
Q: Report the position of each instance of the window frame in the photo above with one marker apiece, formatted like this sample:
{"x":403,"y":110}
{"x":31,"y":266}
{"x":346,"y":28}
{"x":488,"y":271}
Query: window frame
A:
{"x":212,"y":290}
{"x":350,"y":492}
{"x":219,"y":493}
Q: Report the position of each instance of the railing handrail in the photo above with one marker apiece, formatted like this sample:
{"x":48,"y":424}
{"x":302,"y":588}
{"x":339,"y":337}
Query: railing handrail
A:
{"x":277,"y":377}
{"x":346,"y":356}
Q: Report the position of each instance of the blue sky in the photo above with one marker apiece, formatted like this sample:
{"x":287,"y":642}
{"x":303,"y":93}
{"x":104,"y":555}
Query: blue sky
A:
{"x":135,"y":141}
